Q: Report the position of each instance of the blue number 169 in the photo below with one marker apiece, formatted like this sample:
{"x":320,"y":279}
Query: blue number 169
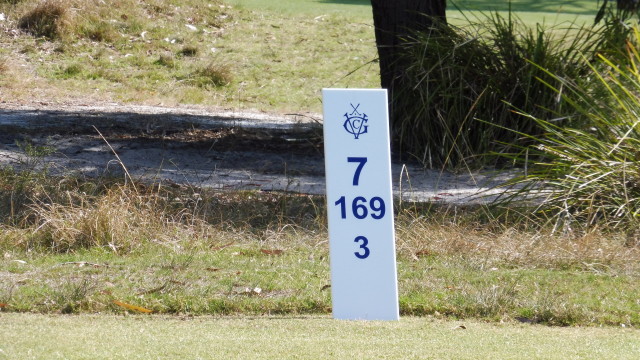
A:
{"x":376,"y":207}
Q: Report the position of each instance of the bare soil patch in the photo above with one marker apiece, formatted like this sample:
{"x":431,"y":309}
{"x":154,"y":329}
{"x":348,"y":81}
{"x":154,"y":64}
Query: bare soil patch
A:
{"x":205,"y":147}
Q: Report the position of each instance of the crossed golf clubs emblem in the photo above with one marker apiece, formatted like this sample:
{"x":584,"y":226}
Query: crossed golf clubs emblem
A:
{"x":355,"y":122}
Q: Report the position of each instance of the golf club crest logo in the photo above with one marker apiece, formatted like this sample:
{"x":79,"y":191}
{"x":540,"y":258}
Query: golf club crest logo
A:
{"x":355,"y":123}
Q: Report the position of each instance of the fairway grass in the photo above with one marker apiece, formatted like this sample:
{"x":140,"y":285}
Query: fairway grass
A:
{"x":29,"y":336}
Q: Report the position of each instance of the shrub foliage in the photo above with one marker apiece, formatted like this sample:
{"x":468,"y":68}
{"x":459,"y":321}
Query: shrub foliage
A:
{"x":589,"y":173}
{"x":462,"y":84}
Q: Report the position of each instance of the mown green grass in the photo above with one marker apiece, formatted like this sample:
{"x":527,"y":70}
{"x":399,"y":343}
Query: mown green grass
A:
{"x":28,"y":336}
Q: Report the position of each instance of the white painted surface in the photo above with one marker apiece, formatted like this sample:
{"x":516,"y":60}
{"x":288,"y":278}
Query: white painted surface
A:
{"x":360,"y":204}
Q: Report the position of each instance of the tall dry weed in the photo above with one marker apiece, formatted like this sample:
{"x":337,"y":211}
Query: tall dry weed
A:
{"x":490,"y":246}
{"x":121,"y":221}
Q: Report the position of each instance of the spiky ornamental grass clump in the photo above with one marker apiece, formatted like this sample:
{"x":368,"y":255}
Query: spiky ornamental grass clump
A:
{"x":589,"y":175}
{"x":457,"y":76}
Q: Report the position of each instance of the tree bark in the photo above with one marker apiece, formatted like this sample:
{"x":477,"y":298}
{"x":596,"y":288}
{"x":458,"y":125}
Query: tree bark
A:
{"x":393,"y":21}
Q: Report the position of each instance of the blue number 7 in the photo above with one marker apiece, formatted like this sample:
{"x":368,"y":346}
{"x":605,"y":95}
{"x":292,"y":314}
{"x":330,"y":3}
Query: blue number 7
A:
{"x":361,"y":161}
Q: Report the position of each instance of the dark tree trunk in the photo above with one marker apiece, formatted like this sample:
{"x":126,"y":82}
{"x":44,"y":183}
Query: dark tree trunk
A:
{"x":628,"y":5}
{"x":394,"y":20}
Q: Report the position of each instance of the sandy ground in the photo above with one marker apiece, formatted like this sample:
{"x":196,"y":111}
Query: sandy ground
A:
{"x":203,"y":147}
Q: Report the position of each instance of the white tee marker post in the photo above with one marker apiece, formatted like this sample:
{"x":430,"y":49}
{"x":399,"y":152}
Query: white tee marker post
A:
{"x":364,"y":282}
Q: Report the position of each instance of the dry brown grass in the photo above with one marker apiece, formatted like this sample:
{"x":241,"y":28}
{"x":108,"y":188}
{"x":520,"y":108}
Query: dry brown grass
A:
{"x":120,"y":220}
{"x":124,"y":217}
{"x":456,"y":263}
{"x":4,"y":65}
{"x":70,"y":19}
{"x":50,"y":19}
{"x":68,"y":214}
{"x":214,"y":74}
{"x":510,"y":244}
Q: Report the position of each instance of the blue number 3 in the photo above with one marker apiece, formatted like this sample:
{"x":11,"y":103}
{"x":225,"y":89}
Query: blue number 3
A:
{"x":365,"y":250}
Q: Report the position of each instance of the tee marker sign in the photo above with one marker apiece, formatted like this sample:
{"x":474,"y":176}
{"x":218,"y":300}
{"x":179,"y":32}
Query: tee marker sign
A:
{"x":364,"y":283}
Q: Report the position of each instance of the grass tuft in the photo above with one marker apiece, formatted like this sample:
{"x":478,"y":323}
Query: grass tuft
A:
{"x":189,"y":51}
{"x":213,"y":75}
{"x":49,"y":19}
{"x":98,"y":30}
{"x":70,"y":71}
{"x":166,"y":60}
{"x":119,"y":221}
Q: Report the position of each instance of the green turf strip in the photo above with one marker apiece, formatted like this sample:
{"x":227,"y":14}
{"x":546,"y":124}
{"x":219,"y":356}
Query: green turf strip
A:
{"x":26,"y":336}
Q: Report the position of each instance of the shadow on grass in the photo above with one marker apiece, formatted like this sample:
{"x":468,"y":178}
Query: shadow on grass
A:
{"x":346,"y":2}
{"x":567,"y":7}
{"x":183,"y":148}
